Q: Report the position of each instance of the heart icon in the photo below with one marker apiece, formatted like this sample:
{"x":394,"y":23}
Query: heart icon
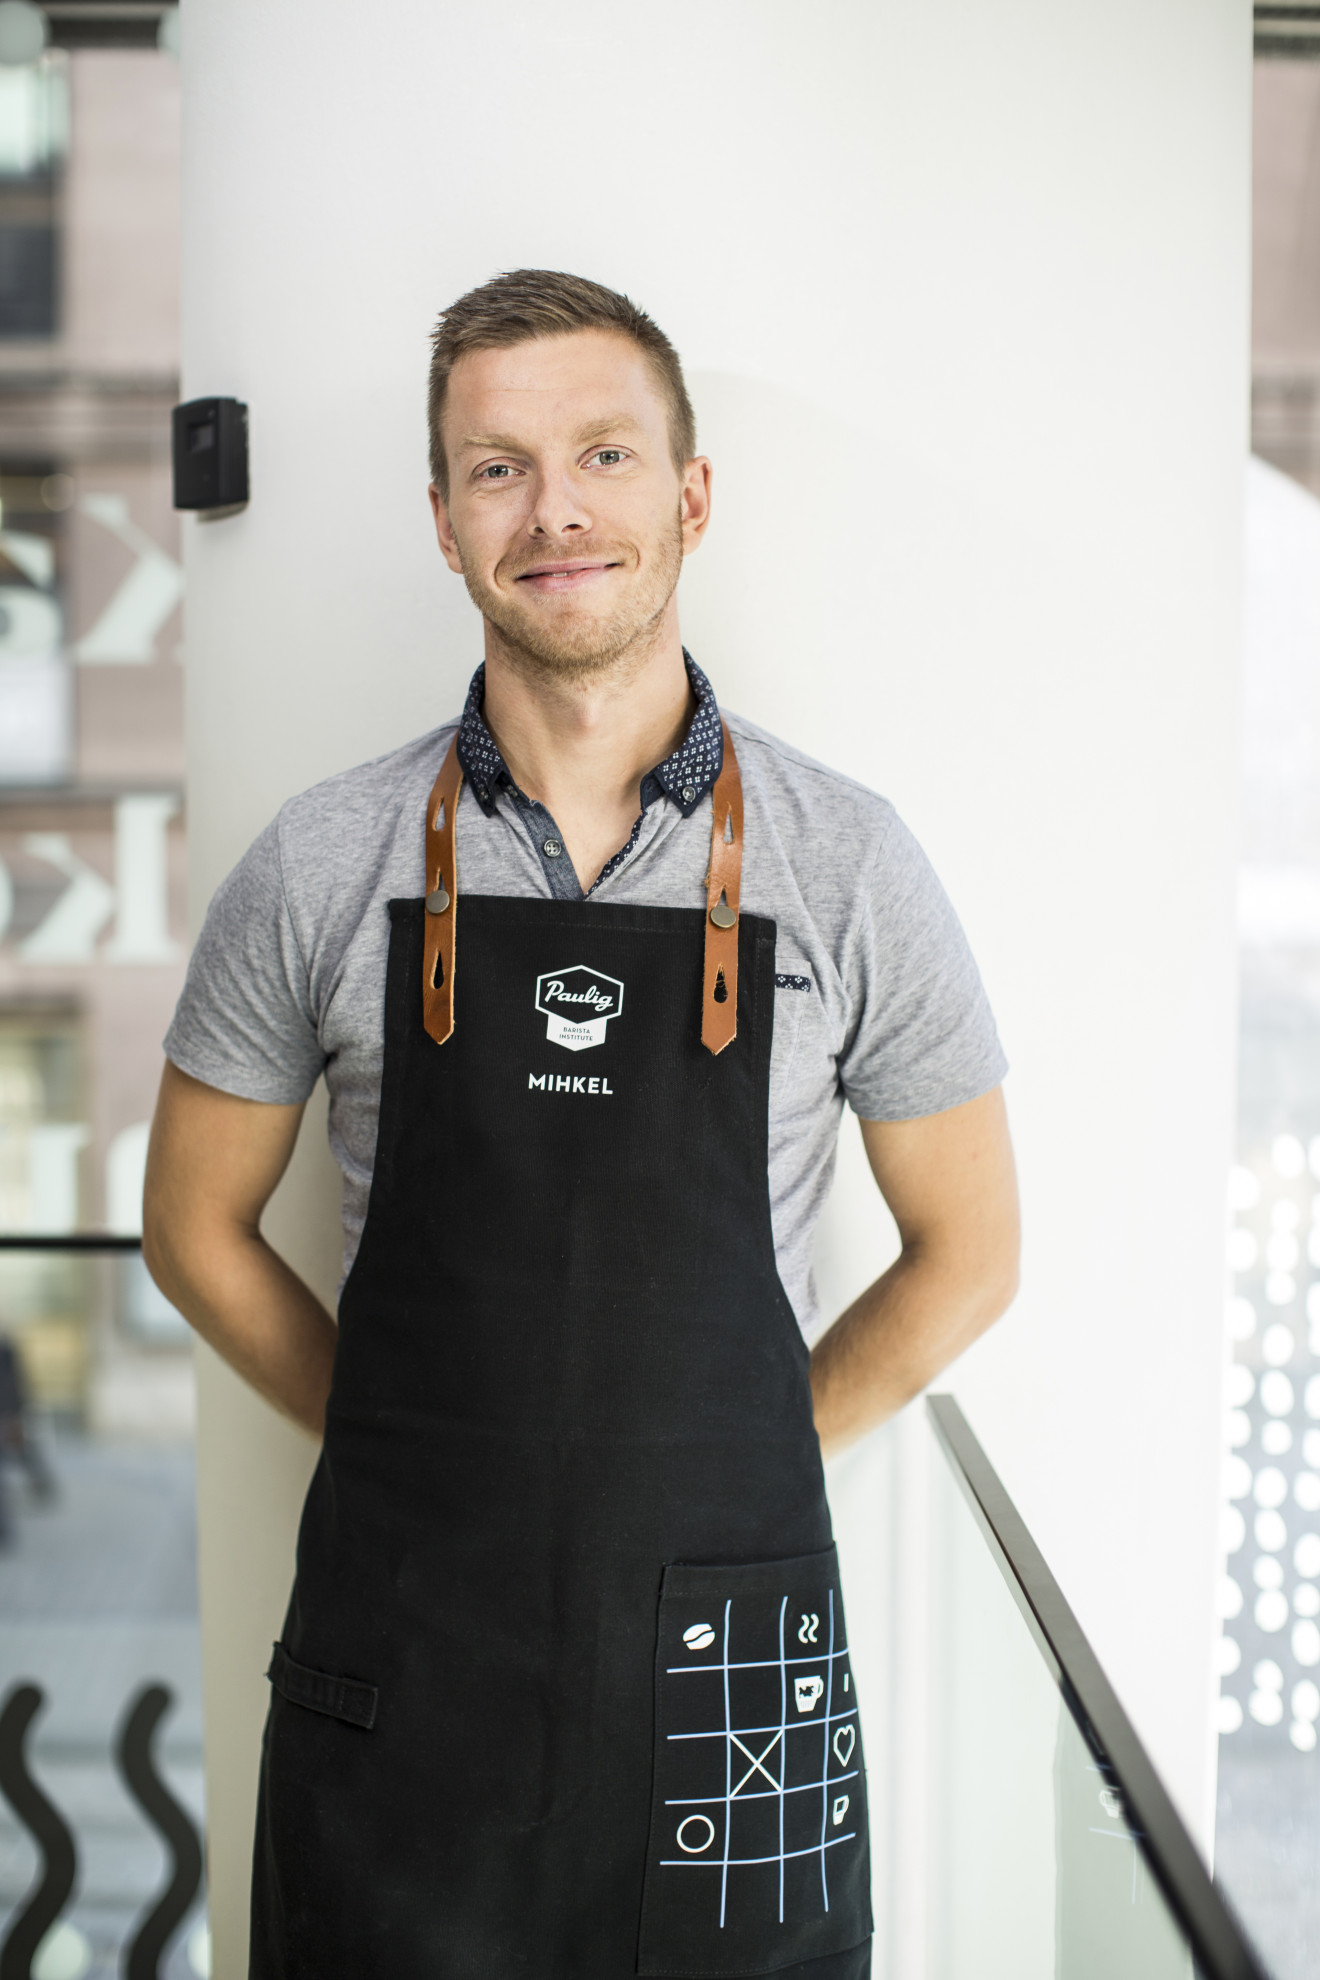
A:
{"x":844,"y":1741}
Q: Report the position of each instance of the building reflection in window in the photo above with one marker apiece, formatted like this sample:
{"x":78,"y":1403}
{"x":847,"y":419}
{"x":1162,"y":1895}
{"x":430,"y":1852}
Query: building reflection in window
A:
{"x":97,"y":1552}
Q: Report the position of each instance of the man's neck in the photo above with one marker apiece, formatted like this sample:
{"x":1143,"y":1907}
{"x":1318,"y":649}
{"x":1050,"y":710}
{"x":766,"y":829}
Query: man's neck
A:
{"x":582,"y":748}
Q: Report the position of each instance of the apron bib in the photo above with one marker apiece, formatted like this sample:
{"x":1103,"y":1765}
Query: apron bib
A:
{"x":564,"y":1687}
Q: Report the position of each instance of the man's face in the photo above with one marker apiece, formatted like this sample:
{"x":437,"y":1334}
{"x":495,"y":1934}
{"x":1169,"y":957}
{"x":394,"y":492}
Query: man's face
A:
{"x":566,"y":515}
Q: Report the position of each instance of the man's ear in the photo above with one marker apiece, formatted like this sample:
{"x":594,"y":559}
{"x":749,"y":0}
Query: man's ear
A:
{"x":444,"y":530}
{"x":694,"y":504}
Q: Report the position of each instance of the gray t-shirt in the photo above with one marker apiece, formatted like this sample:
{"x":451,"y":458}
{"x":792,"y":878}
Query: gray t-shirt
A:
{"x":878,"y":1001}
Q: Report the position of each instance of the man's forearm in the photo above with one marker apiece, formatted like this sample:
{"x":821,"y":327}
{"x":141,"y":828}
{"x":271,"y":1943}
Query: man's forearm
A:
{"x":950,"y":1183}
{"x":894,"y":1339}
{"x":257,"y":1314}
{"x":213,"y":1164}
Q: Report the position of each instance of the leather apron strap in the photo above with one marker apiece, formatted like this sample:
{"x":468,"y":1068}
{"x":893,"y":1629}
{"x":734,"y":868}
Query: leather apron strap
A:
{"x":719,"y":999}
{"x":719,"y":996}
{"x":441,"y":898}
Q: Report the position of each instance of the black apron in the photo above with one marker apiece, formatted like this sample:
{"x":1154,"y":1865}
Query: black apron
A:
{"x":564,"y":1687}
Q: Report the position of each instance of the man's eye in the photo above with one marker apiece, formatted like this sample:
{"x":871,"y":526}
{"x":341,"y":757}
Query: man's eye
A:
{"x":497,"y":471}
{"x":607,"y":456}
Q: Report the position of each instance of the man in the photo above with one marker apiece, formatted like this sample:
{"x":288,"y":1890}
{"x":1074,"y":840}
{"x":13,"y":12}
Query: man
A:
{"x":564,"y":1686}
{"x":16,"y":1439}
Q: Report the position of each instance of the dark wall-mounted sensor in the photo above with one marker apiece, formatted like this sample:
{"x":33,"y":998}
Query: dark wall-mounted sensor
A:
{"x":211,"y":455}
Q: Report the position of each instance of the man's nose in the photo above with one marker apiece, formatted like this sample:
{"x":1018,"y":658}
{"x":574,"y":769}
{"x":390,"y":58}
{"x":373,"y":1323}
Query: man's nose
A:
{"x":559,"y":509}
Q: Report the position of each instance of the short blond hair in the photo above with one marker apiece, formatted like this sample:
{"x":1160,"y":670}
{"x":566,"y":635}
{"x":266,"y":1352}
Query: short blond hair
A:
{"x":543,"y":302}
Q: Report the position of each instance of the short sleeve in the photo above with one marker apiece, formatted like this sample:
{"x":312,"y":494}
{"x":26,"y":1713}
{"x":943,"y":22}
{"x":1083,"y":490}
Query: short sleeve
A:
{"x":922,"y":1037}
{"x":245,"y":1021}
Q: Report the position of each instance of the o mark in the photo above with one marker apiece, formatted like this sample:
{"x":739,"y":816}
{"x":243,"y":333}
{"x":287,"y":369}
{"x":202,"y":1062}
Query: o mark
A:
{"x":695,"y":1848}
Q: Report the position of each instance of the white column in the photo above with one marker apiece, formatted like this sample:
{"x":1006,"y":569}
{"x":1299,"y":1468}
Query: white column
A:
{"x":962,"y":294}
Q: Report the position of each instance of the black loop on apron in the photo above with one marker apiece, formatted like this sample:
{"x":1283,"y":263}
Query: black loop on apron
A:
{"x":338,"y":1698}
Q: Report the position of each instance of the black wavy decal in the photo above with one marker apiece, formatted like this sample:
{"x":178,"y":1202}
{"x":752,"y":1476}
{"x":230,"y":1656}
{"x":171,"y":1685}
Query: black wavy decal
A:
{"x":137,"y":1765}
{"x":46,"y":1826}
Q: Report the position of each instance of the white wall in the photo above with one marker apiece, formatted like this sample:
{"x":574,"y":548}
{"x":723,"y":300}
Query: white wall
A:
{"x":962,"y":294}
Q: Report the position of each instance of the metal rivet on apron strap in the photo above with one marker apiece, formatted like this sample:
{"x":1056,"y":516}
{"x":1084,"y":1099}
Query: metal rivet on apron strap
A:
{"x":719,"y":999}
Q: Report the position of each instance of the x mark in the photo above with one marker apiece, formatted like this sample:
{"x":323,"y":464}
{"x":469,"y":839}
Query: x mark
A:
{"x":756,"y":1760}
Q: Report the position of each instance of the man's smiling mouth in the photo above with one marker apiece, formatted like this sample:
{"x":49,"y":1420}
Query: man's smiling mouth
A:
{"x":568,"y":576}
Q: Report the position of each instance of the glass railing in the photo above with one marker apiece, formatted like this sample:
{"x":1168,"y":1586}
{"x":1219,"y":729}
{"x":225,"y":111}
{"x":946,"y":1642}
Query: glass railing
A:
{"x":1056,"y":1853}
{"x":101,"y":1854}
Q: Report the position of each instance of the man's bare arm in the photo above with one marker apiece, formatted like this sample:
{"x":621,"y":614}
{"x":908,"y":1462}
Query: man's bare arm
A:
{"x":949,"y":1180}
{"x":213,"y":1165}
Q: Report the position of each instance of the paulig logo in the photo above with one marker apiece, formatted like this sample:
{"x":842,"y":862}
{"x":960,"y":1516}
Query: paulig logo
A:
{"x":577,"y":1004}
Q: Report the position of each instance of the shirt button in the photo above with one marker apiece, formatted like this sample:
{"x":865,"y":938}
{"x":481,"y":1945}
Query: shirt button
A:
{"x":552,"y":848}
{"x":689,"y":793}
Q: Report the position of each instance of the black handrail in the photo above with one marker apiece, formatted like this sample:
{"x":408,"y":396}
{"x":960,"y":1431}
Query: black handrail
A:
{"x":68,"y":1241}
{"x":1217,"y":1939}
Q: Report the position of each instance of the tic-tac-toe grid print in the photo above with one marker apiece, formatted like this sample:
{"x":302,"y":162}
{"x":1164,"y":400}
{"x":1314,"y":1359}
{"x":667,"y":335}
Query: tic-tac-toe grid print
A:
{"x":758,"y":1853}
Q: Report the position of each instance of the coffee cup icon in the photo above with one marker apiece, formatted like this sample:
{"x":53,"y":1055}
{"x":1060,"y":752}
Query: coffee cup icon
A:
{"x":808,"y":1692}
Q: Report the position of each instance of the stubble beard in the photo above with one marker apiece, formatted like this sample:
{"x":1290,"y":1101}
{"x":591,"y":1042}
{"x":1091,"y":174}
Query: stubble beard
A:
{"x":583,"y":649}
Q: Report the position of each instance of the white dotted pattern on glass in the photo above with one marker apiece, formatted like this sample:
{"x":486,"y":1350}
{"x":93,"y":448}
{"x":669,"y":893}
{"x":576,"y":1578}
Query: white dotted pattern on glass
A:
{"x":1268,"y":1658}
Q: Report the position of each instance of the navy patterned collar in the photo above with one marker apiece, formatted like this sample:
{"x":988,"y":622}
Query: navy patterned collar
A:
{"x":684,"y":778}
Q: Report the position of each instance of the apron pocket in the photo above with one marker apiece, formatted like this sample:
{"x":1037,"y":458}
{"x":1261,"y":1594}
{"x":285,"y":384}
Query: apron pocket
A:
{"x":758,"y":1856}
{"x":338,"y":1698}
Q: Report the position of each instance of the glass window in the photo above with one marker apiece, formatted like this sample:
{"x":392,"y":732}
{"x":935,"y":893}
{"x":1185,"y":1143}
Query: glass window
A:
{"x":1268,"y":1824}
{"x":98,"y":1601}
{"x":33,"y":135}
